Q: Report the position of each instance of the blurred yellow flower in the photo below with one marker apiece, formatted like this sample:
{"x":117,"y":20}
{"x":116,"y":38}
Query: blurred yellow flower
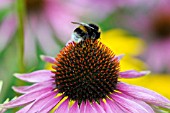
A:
{"x":121,"y":42}
{"x":159,"y":83}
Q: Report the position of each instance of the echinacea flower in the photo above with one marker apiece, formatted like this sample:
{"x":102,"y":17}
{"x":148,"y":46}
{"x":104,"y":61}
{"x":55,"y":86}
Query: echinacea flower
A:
{"x":86,"y":79}
{"x":152,"y":23}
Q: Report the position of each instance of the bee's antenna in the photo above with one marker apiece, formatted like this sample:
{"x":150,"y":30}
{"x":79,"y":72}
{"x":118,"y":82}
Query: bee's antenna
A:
{"x":77,"y":23}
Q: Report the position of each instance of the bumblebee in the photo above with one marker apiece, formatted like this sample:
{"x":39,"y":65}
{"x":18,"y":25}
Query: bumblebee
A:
{"x":85,"y":31}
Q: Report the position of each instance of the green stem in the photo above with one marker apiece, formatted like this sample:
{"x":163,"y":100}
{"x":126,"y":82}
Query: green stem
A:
{"x":21,"y":12}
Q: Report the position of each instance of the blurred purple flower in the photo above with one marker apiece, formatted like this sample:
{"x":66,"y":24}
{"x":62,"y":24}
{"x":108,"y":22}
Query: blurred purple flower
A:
{"x":152,"y":23}
{"x":158,"y":52}
{"x":89,"y":80}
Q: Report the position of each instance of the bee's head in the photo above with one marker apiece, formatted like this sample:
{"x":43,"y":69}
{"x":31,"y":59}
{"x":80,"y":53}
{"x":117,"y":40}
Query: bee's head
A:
{"x":86,"y":31}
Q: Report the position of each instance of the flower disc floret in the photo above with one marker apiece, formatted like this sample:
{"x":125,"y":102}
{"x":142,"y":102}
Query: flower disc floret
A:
{"x":86,"y":71}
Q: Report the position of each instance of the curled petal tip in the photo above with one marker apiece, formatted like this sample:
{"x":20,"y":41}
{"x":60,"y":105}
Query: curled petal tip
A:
{"x":48,"y":59}
{"x":145,"y":72}
{"x":14,"y":88}
{"x":133,"y":74}
{"x":2,"y":107}
{"x":17,"y":74}
{"x":120,"y":56}
{"x":42,"y":57}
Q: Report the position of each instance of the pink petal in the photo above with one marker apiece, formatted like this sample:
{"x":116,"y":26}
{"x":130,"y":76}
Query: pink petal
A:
{"x":132,"y":74}
{"x":158,"y":110}
{"x":50,"y":104}
{"x":64,"y":16}
{"x":2,"y":110}
{"x":25,"y":109}
{"x":39,"y":102}
{"x":5,"y":3}
{"x":98,"y":108}
{"x":82,"y":107}
{"x":29,"y":45}
{"x":143,"y":104}
{"x":63,"y":108}
{"x":114,"y":107}
{"x":106,"y":107}
{"x":7,"y":30}
{"x":158,"y":52}
{"x":27,"y":98}
{"x":48,"y":59}
{"x":89,"y":108}
{"x":34,"y":87}
{"x":44,"y":34}
{"x":74,"y":108}
{"x":130,"y":105}
{"x":144,"y":94}
{"x":36,"y":76}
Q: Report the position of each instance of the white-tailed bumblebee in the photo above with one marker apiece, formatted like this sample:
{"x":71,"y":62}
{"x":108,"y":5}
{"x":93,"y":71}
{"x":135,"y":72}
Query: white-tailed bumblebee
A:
{"x":85,"y":31}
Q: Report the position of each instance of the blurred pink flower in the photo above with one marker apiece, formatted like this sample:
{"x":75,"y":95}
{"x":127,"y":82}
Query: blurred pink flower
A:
{"x":152,"y":23}
{"x":158,"y":39}
{"x":41,"y":17}
{"x":90,"y":79}
{"x":45,"y":17}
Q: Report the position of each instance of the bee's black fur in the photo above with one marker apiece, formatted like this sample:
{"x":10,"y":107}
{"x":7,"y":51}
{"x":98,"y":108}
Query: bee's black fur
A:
{"x":91,"y":32}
